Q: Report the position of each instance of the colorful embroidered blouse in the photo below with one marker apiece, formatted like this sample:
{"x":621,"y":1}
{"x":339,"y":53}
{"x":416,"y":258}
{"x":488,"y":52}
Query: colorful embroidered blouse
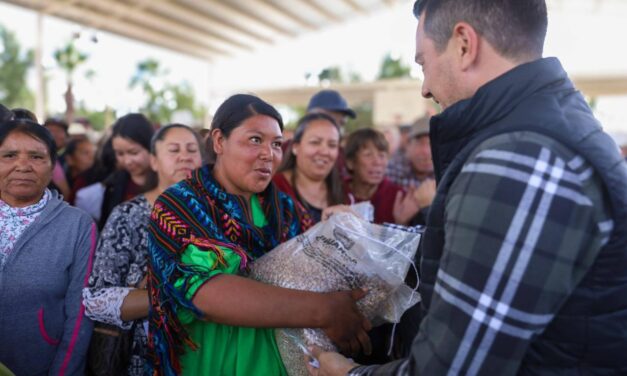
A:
{"x":198,"y":230}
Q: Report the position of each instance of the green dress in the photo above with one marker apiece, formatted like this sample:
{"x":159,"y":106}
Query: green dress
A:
{"x":224,"y":349}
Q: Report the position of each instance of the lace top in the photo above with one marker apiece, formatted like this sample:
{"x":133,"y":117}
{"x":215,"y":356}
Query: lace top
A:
{"x":119,"y":265}
{"x":14,"y":221}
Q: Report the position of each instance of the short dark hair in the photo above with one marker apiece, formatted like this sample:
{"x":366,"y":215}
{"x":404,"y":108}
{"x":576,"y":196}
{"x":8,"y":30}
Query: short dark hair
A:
{"x":234,"y":111}
{"x":135,"y":127}
{"x":335,"y":188}
{"x":30,"y":129}
{"x":359,"y":138}
{"x":515,"y":28}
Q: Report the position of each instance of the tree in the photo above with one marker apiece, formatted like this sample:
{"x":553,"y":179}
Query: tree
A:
{"x":163,"y":98}
{"x":331,"y":74}
{"x":14,"y":65}
{"x":69,"y":58}
{"x":393,"y":68}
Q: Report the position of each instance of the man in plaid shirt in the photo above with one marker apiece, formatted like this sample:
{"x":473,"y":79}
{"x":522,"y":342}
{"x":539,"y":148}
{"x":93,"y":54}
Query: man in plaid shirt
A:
{"x":524,"y":259}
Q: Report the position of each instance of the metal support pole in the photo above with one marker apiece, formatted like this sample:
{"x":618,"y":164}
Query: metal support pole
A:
{"x":40,"y":93}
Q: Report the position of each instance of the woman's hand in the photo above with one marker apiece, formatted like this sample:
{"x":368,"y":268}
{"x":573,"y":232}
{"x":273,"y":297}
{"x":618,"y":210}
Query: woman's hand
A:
{"x":330,"y":363}
{"x":344,"y":324}
{"x":405,"y":207}
{"x":330,"y":210}
{"x":425,"y":193}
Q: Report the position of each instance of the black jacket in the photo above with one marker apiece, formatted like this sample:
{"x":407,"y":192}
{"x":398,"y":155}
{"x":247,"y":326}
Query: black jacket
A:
{"x":589,"y":334}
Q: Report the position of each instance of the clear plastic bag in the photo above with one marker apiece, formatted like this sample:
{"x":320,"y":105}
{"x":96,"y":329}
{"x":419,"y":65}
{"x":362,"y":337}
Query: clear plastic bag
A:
{"x":342,"y":253}
{"x":364,"y":210}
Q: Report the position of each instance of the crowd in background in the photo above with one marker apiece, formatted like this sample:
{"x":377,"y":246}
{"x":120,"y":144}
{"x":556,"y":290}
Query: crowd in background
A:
{"x":114,"y":182}
{"x":146,"y":234}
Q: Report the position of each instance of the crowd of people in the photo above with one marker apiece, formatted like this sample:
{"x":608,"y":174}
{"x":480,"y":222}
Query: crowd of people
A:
{"x":147,"y":233}
{"x":109,"y":249}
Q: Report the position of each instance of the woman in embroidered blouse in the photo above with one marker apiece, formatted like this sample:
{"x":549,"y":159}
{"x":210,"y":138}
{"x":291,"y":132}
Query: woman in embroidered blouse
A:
{"x":46,"y":247}
{"x":206,"y":316}
{"x":309,"y":173}
{"x":117,"y":292}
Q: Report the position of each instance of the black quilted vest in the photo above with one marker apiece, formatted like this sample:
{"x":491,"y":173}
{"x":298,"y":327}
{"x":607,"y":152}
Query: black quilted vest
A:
{"x":589,"y":334}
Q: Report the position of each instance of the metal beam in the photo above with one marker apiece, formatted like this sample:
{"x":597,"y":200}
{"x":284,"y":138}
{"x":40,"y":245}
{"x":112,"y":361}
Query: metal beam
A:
{"x":291,"y":15}
{"x":57,"y":5}
{"x":355,"y":6}
{"x":143,"y":17}
{"x":596,"y":86}
{"x":322,"y":10}
{"x":207,"y":22}
{"x":230,"y":6}
{"x":131,"y":30}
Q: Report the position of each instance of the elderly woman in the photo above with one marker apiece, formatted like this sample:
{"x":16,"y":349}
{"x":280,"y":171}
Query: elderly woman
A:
{"x":309,"y":172}
{"x":206,"y":316}
{"x":366,"y":160}
{"x":46,"y":248}
{"x":117,"y":293}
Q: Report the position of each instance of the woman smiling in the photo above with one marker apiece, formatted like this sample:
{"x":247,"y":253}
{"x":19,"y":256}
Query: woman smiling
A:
{"x":309,"y":173}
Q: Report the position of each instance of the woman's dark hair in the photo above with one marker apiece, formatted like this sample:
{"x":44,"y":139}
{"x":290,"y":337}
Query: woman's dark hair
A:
{"x":335,"y":188}
{"x":5,"y":113}
{"x":234,"y":111}
{"x":163,"y":131}
{"x":22,"y":113}
{"x":31,"y":129}
{"x":152,"y":179}
{"x":359,"y":138}
{"x":135,"y":127}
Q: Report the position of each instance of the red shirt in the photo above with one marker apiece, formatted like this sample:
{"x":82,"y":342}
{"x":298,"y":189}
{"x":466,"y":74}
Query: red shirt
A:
{"x":382,"y":200}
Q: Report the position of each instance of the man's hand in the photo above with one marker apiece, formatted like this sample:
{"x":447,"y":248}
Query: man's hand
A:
{"x":331,"y":363}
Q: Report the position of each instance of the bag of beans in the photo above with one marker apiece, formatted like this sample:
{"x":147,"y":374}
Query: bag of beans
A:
{"x":342,"y":253}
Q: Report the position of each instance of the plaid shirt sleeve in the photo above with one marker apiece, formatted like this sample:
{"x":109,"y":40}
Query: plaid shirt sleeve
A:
{"x":525,"y":220}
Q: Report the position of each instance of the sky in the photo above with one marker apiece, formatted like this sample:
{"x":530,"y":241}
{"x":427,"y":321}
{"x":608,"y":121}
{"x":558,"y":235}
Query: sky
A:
{"x":582,"y":33}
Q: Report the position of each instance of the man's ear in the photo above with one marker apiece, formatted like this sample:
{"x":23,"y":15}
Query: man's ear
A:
{"x":466,"y":44}
{"x":217,"y":141}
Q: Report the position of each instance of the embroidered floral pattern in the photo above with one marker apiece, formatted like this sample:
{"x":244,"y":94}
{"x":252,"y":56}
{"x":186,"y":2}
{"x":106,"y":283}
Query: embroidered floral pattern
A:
{"x":14,"y":221}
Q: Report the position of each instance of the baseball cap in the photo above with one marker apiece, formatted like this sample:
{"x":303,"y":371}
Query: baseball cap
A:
{"x":420,"y":127}
{"x":330,"y":100}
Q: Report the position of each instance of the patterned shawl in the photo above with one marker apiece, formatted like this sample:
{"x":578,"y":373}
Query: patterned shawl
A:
{"x":198,"y":211}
